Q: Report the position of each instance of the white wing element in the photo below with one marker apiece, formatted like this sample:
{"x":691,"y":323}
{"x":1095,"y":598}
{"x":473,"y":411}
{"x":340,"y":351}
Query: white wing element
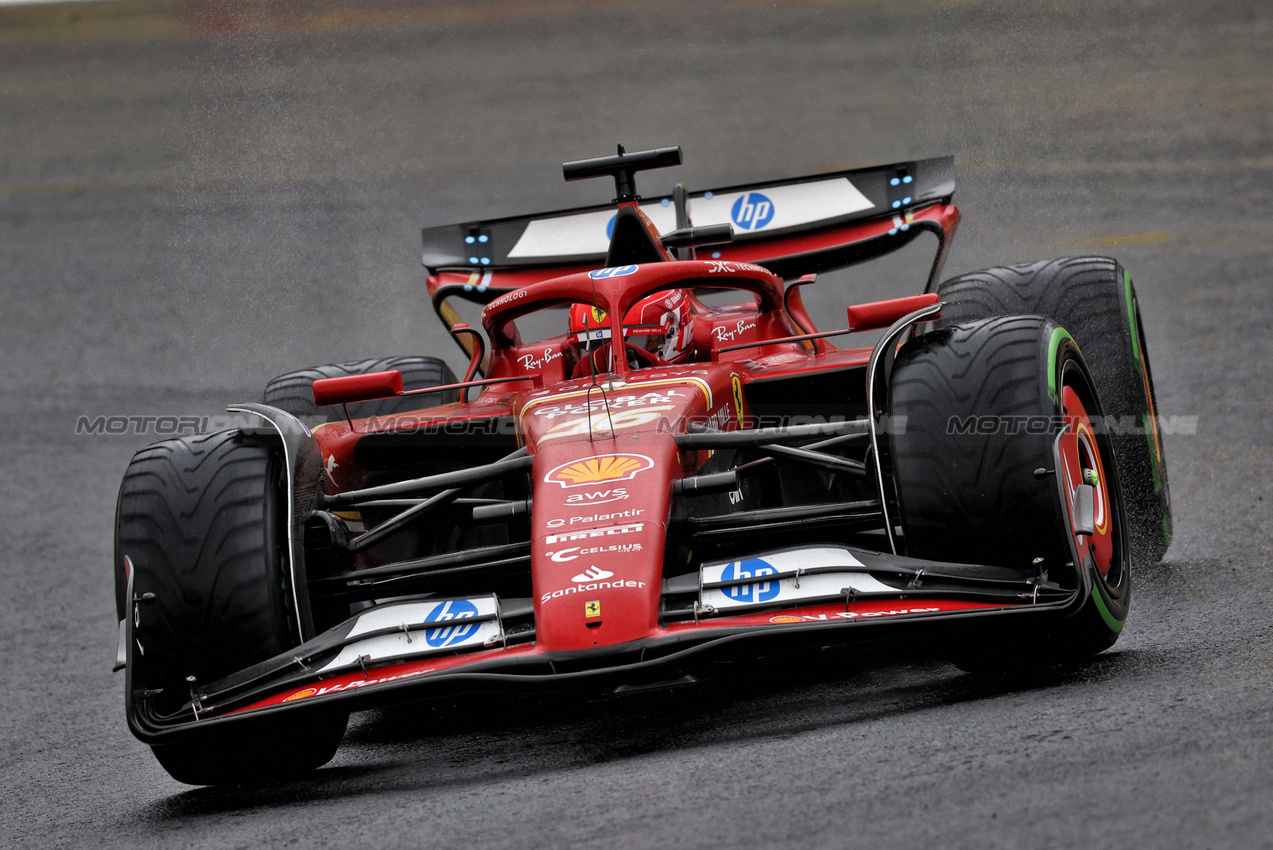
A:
{"x":751,"y":211}
{"x":778,"y":578}
{"x":453,"y":624}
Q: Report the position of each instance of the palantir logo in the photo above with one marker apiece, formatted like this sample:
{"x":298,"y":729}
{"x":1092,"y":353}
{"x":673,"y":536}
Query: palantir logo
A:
{"x":761,"y":591}
{"x":456,"y":609}
{"x":752,"y":211}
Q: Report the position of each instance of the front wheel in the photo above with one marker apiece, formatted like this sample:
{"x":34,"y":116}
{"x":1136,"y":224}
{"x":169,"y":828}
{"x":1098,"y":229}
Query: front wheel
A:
{"x":987,"y":404}
{"x":203,"y":522}
{"x":1092,"y":298}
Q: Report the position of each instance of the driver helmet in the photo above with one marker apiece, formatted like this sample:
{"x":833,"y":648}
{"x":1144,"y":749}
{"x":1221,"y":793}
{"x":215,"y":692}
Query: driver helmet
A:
{"x":661,"y":323}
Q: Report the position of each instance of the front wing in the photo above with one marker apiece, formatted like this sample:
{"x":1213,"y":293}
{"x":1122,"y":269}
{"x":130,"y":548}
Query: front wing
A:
{"x":432,"y":648}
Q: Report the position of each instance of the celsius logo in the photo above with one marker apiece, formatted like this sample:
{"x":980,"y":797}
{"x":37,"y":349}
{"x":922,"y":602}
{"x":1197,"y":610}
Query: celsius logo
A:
{"x":761,"y":591}
{"x":592,"y":574}
{"x":613,"y":271}
{"x":456,"y":609}
{"x":752,"y":211}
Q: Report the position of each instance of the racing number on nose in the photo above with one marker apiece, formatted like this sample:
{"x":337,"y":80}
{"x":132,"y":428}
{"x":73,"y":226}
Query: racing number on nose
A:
{"x":606,"y":421}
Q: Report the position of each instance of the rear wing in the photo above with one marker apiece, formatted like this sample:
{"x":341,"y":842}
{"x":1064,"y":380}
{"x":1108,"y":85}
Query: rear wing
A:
{"x":792,"y":227}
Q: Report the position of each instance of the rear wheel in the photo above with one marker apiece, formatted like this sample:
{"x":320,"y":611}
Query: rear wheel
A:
{"x":1092,"y":298}
{"x":203,"y":522}
{"x":984,"y":402}
{"x":294,"y":392}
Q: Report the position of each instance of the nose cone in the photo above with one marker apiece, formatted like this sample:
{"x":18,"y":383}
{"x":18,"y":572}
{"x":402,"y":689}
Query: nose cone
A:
{"x":599,"y":522}
{"x":605,"y":460}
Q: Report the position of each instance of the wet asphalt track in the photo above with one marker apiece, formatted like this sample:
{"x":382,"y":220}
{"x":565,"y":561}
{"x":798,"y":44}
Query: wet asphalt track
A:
{"x":195,"y":198}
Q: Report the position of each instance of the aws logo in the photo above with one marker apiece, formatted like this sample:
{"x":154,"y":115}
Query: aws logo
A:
{"x":597,"y":497}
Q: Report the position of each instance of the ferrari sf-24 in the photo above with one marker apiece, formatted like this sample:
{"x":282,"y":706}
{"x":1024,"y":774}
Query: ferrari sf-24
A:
{"x":657,"y":460}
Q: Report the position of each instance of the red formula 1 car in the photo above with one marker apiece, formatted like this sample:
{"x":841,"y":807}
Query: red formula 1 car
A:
{"x":656,"y":459}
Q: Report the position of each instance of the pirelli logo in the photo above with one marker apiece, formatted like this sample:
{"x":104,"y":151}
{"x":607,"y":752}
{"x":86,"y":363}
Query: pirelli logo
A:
{"x":608,"y":531}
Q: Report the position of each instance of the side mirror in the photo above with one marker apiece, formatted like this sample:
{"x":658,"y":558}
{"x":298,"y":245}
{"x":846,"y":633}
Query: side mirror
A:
{"x":351,"y":388}
{"x":881,"y":314}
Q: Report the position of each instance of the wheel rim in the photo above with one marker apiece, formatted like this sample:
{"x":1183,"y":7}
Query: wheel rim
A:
{"x":1082,"y":463}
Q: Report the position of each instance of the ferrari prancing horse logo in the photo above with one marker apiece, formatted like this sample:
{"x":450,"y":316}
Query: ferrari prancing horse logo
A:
{"x":592,"y":610}
{"x":738,"y":399}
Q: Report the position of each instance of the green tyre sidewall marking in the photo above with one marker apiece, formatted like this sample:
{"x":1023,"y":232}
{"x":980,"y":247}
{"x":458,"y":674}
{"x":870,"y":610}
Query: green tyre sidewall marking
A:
{"x":1114,"y":624}
{"x":1155,"y":453}
{"x":1131,"y":317}
{"x":1054,"y":345}
{"x":1059,"y":336}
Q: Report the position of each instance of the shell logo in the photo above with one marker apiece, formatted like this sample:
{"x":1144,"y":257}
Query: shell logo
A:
{"x":785,"y":619}
{"x":307,"y":692}
{"x":595,"y":470}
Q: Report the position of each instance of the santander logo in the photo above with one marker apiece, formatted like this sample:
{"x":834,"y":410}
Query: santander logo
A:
{"x":592,"y":574}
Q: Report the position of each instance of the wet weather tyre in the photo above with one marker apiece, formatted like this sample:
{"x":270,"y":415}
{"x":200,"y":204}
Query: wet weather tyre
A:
{"x":983,"y":404}
{"x":1093,"y":298}
{"x":202,"y":522}
{"x":294,"y":392}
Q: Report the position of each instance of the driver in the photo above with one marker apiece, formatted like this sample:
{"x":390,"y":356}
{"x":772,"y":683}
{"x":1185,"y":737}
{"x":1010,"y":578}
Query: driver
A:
{"x":660,"y":324}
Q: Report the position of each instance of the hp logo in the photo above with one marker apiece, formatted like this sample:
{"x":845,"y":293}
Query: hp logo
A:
{"x":752,"y":211}
{"x":761,"y":591}
{"x":613,"y":271}
{"x":456,"y":609}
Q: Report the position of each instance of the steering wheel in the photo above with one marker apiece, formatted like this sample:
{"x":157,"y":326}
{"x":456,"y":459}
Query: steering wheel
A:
{"x":649,"y":357}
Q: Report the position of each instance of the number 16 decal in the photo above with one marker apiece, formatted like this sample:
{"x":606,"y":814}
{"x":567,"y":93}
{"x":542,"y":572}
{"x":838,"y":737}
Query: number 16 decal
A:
{"x":601,"y":423}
